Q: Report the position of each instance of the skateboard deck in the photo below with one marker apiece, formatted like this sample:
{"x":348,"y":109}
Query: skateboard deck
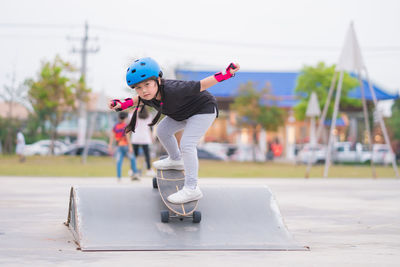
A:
{"x":169,"y":182}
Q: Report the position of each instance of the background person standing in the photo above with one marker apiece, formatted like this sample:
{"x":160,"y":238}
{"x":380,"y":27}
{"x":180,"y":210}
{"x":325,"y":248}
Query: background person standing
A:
{"x":124,"y":147}
{"x":19,"y":149}
{"x":142,"y":137}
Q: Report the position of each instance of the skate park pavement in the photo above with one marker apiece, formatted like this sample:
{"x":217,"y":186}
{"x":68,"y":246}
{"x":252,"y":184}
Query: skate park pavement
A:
{"x":345,"y":222}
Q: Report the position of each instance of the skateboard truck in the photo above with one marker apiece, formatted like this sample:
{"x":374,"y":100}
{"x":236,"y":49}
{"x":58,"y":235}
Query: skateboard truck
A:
{"x":180,"y":211}
{"x":166,"y":215}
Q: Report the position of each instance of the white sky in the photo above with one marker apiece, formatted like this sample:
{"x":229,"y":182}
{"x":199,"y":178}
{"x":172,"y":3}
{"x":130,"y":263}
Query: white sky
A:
{"x":260,"y":35}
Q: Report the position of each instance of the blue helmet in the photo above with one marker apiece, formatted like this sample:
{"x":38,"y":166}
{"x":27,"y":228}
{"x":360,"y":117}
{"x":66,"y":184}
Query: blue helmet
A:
{"x":141,"y":70}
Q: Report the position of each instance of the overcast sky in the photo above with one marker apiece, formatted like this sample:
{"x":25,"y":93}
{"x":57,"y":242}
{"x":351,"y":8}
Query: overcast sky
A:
{"x":279,"y":35}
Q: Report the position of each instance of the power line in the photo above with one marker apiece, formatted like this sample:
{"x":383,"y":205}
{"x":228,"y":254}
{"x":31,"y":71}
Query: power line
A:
{"x":233,"y":43}
{"x":38,"y":25}
{"x":175,"y":38}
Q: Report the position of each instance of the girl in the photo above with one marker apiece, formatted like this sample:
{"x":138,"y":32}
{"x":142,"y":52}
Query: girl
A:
{"x":186,"y":105}
{"x":143,"y":138}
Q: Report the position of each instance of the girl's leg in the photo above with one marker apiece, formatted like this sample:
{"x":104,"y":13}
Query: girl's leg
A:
{"x":136,"y":150}
{"x":120,"y":159}
{"x":165,"y":133}
{"x":132,"y":158}
{"x":146,"y":155}
{"x":196,"y":127}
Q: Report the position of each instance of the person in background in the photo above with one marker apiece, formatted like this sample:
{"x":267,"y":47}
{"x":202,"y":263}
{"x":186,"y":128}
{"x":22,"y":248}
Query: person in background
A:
{"x":277,"y":148}
{"x":19,"y":149}
{"x":142,"y":137}
{"x":124,"y":147}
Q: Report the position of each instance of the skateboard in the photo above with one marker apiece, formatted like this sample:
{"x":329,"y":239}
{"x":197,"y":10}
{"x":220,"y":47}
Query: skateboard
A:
{"x":169,"y":182}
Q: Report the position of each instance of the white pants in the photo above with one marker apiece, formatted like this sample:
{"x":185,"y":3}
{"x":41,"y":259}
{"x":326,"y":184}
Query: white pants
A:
{"x":194,"y":128}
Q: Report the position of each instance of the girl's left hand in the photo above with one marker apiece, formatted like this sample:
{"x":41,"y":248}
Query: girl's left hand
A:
{"x":233,"y":71}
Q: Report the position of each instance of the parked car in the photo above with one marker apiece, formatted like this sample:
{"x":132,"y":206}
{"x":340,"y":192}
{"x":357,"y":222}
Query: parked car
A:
{"x":96,"y":148}
{"x":382,"y":154}
{"x":246,"y":152}
{"x":42,"y":148}
{"x":348,"y":152}
{"x":306,"y":153}
{"x":221,"y":150}
{"x":234,"y":152}
{"x":204,"y":154}
{"x":201,"y":154}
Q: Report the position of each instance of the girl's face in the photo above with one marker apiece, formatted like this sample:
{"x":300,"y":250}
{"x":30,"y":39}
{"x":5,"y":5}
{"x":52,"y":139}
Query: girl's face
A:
{"x":147,"y":89}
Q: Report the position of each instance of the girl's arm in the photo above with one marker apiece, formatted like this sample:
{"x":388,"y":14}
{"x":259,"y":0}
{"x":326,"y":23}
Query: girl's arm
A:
{"x":219,"y":77}
{"x":111,"y":141}
{"x":129,"y":140}
{"x":119,"y":105}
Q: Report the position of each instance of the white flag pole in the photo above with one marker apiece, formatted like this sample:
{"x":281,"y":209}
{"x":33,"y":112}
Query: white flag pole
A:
{"x":366,"y":121}
{"x":382,"y":124}
{"x":333,"y":125}
{"x":321,"y":122}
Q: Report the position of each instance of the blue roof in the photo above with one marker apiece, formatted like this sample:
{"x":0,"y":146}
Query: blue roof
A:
{"x":281,"y":85}
{"x":339,"y":122}
{"x":380,"y":93}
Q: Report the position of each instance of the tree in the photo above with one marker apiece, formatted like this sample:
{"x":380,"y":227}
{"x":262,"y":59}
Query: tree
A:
{"x":394,"y":121}
{"x":11,"y":94}
{"x":252,"y":113}
{"x":54,"y":93}
{"x":318,"y":79}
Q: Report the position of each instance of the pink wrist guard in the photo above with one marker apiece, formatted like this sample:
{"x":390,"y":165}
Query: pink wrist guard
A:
{"x":128,"y":102}
{"x":219,"y":76}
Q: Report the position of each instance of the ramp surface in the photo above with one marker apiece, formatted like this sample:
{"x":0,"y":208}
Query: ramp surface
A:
{"x":128,"y":218}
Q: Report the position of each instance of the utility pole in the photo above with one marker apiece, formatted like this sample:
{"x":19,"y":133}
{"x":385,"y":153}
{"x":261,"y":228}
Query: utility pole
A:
{"x":82,"y":108}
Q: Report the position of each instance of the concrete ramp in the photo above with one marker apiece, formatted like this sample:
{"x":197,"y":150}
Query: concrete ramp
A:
{"x":128,"y":218}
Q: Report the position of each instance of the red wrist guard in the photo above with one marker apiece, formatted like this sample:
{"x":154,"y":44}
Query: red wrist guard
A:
{"x":219,"y":76}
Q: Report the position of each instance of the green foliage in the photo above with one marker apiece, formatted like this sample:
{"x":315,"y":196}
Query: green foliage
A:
{"x":318,"y":79}
{"x":35,"y":129}
{"x":8,"y":133}
{"x":252,"y":113}
{"x":53,"y":93}
{"x":394,"y":121}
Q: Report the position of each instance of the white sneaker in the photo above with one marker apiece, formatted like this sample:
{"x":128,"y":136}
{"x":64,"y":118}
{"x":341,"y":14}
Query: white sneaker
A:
{"x":134,"y":176}
{"x":185,"y":195}
{"x":168,"y":164}
{"x":150,"y":173}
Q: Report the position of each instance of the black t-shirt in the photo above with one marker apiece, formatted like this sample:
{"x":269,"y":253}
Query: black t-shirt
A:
{"x":183,"y":99}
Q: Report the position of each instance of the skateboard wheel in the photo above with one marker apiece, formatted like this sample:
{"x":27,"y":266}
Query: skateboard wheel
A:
{"x":196,"y":216}
{"x":164,"y":216}
{"x":155,"y":185}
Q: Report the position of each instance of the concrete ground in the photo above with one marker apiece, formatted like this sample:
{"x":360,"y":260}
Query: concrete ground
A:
{"x":345,"y":222}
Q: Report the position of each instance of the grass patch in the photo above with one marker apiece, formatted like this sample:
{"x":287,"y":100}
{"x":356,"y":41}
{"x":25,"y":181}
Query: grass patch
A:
{"x":70,"y":166}
{"x":281,"y":170}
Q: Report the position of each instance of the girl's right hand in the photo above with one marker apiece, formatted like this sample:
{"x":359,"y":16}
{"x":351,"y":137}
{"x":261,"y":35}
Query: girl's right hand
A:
{"x":110,"y":150}
{"x":114,"y":105}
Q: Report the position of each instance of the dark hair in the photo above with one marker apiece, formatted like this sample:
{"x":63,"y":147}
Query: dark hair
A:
{"x":143,"y":113}
{"x":122,"y":115}
{"x":132,"y":124}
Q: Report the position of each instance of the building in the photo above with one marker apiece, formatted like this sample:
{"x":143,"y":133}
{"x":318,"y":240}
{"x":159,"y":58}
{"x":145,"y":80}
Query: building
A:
{"x":281,"y":85}
{"x":15,"y":111}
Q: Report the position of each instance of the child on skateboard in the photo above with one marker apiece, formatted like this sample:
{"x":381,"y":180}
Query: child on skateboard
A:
{"x":186,"y":105}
